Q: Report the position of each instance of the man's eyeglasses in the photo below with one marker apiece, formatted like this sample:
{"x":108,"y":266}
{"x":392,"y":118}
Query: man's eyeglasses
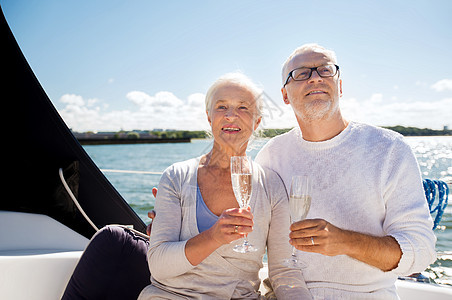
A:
{"x":303,"y":73}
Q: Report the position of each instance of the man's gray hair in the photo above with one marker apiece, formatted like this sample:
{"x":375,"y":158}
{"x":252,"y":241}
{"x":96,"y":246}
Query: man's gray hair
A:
{"x":312,"y":47}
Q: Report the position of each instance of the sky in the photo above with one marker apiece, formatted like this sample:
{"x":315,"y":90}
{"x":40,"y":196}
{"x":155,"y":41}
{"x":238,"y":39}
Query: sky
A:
{"x":123,"y":65}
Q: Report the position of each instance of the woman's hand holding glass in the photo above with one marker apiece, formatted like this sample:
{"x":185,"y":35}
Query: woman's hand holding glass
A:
{"x":232,"y":225}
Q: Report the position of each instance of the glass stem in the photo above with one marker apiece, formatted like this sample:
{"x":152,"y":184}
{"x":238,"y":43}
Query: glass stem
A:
{"x":246,"y":238}
{"x":246,"y":235}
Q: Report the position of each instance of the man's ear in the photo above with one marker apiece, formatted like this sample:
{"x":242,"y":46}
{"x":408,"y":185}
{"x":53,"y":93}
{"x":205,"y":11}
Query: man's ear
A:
{"x":284,"y":95}
{"x":340,"y":87}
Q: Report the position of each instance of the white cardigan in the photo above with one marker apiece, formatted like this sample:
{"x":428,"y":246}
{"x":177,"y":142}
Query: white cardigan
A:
{"x":225,"y":274}
{"x":365,"y":179}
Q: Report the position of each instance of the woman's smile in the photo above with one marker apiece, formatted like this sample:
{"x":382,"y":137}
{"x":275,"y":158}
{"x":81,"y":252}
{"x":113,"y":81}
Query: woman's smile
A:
{"x":231,"y":129}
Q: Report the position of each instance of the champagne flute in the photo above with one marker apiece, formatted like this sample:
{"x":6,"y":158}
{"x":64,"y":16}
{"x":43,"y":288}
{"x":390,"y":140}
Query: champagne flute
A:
{"x":241,"y":177}
{"x":299,"y":205}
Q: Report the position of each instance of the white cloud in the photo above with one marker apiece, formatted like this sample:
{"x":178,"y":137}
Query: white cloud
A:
{"x":91,"y":102}
{"x":72,"y":99}
{"x":196,"y":100}
{"x":378,"y":110}
{"x":162,"y":99}
{"x":276,"y":114}
{"x":163,"y":110}
{"x":442,"y":85}
{"x":167,"y":111}
{"x":376,"y":98}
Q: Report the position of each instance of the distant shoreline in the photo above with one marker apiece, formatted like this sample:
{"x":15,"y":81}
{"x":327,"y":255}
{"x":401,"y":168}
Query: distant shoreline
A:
{"x":185,"y":136}
{"x":125,"y":141}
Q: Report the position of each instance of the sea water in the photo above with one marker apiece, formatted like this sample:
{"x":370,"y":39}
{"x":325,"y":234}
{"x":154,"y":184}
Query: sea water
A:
{"x":434,"y":155}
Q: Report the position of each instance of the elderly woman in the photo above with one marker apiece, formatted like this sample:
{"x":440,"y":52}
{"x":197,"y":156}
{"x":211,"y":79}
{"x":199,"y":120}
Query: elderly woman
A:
{"x":198,"y":218}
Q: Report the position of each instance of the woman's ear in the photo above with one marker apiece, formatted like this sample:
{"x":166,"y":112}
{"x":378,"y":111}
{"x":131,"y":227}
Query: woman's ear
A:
{"x":258,"y":121}
{"x":208,"y":118}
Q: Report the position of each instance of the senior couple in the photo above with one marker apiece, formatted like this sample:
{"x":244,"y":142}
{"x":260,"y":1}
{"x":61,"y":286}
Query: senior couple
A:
{"x":368,"y":222}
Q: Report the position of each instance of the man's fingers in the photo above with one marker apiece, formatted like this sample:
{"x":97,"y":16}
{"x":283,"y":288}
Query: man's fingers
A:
{"x":314,"y":231}
{"x":306,"y":241}
{"x":148,"y":229}
{"x":154,"y":192}
{"x":151,"y":214}
{"x":307,"y":224}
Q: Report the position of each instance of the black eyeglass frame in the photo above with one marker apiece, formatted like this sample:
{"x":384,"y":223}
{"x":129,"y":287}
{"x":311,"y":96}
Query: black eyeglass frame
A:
{"x":310,"y":74}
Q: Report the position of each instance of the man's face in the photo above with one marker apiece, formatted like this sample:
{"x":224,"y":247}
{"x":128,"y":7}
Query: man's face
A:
{"x":315,"y":98}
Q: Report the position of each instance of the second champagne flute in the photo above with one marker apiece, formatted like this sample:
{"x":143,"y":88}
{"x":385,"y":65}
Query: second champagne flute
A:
{"x":299,"y":205}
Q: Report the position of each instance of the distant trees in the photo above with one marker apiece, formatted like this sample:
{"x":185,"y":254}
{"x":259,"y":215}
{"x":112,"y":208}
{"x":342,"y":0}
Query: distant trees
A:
{"x":133,"y":135}
{"x":413,"y":131}
{"x":406,"y":131}
{"x":201,"y":134}
{"x":179,"y":134}
{"x":269,"y":133}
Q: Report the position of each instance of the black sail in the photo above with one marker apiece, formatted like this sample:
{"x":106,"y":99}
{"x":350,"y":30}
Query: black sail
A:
{"x":37,"y":143}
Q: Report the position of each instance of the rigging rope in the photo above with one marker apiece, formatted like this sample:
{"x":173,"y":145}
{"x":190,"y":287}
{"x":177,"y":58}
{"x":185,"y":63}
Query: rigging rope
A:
{"x":130,"y":172}
{"x":68,"y":190}
{"x":430,"y":187}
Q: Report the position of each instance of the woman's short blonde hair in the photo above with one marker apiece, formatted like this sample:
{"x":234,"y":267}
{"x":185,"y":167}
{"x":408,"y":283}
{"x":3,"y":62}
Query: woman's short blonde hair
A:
{"x":238,"y":79}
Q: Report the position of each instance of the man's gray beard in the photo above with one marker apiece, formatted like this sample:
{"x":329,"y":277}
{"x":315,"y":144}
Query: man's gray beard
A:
{"x":315,"y":111}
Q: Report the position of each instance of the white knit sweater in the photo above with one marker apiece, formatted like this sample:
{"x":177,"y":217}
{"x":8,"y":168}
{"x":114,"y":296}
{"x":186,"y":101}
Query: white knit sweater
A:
{"x":365,"y":179}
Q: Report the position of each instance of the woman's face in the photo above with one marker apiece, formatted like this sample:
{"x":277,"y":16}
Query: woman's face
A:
{"x":233,"y":116}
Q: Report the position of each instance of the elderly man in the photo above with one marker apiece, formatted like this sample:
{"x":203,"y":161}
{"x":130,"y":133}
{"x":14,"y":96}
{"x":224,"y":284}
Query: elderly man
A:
{"x":369,"y":220}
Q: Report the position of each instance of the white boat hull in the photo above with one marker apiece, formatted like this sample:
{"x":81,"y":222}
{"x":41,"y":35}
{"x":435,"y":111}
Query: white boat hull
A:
{"x":39,"y":254}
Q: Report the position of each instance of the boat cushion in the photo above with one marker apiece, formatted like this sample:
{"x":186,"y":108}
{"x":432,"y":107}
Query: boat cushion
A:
{"x":37,"y":256}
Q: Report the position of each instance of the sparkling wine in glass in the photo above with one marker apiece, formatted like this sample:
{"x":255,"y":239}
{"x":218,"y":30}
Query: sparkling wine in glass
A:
{"x":241,"y":177}
{"x":299,"y":205}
